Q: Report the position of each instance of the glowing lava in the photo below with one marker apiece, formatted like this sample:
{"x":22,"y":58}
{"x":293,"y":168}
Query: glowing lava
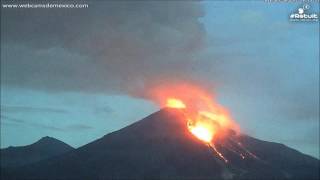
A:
{"x":204,"y":125}
{"x":202,"y":132}
{"x":205,"y":116}
{"x":175,"y":103}
{"x":205,"y":119}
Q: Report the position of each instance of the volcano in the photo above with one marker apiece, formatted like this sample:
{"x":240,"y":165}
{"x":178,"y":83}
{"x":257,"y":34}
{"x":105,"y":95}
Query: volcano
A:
{"x":160,"y":146}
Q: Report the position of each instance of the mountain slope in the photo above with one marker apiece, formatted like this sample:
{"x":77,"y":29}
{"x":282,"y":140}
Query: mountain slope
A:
{"x":45,"y":148}
{"x":160,"y":146}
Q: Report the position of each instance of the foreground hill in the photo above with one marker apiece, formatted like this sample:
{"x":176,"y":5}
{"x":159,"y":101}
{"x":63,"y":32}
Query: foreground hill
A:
{"x":45,"y":148}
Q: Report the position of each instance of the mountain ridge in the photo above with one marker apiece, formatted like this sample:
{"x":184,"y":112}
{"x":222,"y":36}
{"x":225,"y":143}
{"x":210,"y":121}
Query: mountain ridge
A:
{"x":44,"y":148}
{"x":161,"y":147}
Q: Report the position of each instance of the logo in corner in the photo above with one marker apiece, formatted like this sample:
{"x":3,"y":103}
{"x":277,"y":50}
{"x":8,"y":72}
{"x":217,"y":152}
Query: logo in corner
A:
{"x":302,"y":14}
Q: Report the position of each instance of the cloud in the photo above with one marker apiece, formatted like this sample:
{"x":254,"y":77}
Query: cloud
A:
{"x":78,"y":127}
{"x":30,"y":109}
{"x":109,"y":47}
{"x":128,"y":47}
{"x":20,"y":122}
{"x":103,"y":110}
{"x":11,"y":121}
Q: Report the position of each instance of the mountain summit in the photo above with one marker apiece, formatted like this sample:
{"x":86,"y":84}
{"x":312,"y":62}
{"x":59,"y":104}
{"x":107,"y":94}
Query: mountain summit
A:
{"x":44,"y":148}
{"x":161,"y":147}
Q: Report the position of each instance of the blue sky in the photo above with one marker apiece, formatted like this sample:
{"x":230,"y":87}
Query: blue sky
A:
{"x":276,"y":64}
{"x":82,"y":85}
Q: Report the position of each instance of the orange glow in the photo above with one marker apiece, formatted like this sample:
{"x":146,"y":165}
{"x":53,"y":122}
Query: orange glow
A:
{"x":202,"y":131}
{"x":175,"y":103}
{"x":203,"y":127}
{"x":205,"y":117}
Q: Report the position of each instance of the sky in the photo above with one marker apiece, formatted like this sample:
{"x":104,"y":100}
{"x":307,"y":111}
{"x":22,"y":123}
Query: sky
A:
{"x":78,"y":74}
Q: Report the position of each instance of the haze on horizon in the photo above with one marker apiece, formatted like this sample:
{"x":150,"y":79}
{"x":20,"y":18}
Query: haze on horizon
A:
{"x":79,"y":74}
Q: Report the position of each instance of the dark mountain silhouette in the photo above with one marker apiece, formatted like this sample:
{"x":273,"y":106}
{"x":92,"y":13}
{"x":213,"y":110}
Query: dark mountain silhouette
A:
{"x":160,"y":147}
{"x":45,"y":148}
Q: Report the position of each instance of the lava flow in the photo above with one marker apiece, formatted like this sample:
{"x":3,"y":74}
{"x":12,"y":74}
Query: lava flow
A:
{"x":204,"y":126}
{"x":206,"y":119}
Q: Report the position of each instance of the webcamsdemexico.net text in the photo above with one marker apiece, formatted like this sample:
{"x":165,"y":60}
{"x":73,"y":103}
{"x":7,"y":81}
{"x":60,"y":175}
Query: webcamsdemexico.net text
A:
{"x":45,"y":5}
